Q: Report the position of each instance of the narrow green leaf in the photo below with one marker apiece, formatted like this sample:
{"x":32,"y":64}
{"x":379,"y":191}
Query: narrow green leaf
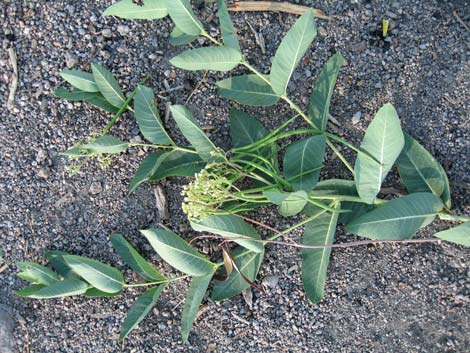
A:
{"x":229,"y":34}
{"x":106,"y":145}
{"x":399,"y":218}
{"x":196,"y":292}
{"x":178,"y":37}
{"x":178,"y":253}
{"x":193,"y":132}
{"x":249,"y":263}
{"x":208,"y":58}
{"x":384,"y":141}
{"x":183,"y":16}
{"x":319,"y":231}
{"x":82,"y":80}
{"x":100,"y":102}
{"x":140,"y":309}
{"x":101,"y":276}
{"x":230,"y":226}
{"x":128,"y":9}
{"x":303,"y":161}
{"x":74,"y":152}
{"x":245,"y":129}
{"x":56,"y":259}
{"x":93,"y":292}
{"x":65,"y":288}
{"x":290,"y":51}
{"x":135,"y":261}
{"x":108,"y":85}
{"x":36,"y":273}
{"x":178,"y":163}
{"x":146,"y":169}
{"x":146,"y":114}
{"x":446,"y":193}
{"x":248,"y":90}
{"x":458,"y":235}
{"x":30,"y":290}
{"x":290,"y":203}
{"x":74,"y":95}
{"x":320,"y":99}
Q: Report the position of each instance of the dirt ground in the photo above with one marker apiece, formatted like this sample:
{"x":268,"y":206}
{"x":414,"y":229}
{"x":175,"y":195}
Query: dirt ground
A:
{"x":412,"y":298}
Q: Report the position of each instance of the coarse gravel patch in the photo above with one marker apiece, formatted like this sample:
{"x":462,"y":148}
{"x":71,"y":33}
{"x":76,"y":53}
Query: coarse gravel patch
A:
{"x":412,"y":298}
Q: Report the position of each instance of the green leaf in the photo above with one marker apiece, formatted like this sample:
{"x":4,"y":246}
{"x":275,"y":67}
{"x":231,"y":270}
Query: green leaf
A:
{"x":290,"y":51}
{"x":208,"y":58}
{"x":36,"y":273}
{"x":146,"y":169}
{"x":418,"y":169}
{"x":399,"y":218}
{"x":245,"y":129}
{"x":342,"y":187}
{"x":135,"y":261}
{"x":249,"y":263}
{"x":230,"y":226}
{"x":229,"y":34}
{"x":94,"y":98}
{"x":140,"y":309}
{"x":458,"y":235}
{"x":178,"y":37}
{"x":93,"y":292}
{"x":178,"y":163}
{"x":196,"y":292}
{"x":106,"y":145}
{"x":65,"y":288}
{"x":384,"y":141}
{"x":56,"y":259}
{"x":82,"y":80}
{"x":128,"y":9}
{"x":30,"y":290}
{"x":248,"y":90}
{"x":192,"y":131}
{"x":104,"y":277}
{"x":446,"y":193}
{"x":100,"y":102}
{"x":183,"y":16}
{"x":290,"y":203}
{"x":319,"y":231}
{"x":303,"y":161}
{"x":108,"y":85}
{"x":319,"y":106}
{"x":146,"y":114}
{"x":178,"y":253}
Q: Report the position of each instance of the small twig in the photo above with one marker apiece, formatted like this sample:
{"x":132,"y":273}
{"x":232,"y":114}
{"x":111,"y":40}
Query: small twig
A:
{"x":162,"y":202}
{"x":258,"y":37}
{"x":197,"y":87}
{"x":172,"y":89}
{"x":457,"y":17}
{"x":259,"y":224}
{"x":238,"y":318}
{"x":14,"y":80}
{"x":276,"y":6}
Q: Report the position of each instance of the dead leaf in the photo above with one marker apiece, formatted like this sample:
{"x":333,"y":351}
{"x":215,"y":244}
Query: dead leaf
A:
{"x":162,"y":202}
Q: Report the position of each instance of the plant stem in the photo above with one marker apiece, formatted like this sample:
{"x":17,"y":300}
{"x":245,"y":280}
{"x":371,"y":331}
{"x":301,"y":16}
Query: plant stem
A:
{"x":450,"y":217}
{"x":340,"y":156}
{"x":169,"y":280}
{"x":173,"y":147}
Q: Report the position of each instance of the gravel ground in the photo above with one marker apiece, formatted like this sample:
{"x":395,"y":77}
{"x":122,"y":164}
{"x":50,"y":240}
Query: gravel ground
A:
{"x":411,"y":298}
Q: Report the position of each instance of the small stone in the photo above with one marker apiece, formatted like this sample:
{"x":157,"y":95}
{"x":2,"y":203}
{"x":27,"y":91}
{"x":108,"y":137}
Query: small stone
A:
{"x":359,"y":47}
{"x":106,"y":33}
{"x":356,"y":118}
{"x":95,"y":188}
{"x":70,"y":60}
{"x":271,"y":281}
{"x":123,"y":30}
{"x":378,"y":85}
{"x":172,"y":74}
{"x":41,"y":155}
{"x":44,"y":173}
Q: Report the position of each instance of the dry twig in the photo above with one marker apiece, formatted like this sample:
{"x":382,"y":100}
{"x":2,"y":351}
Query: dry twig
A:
{"x":14,"y":80}
{"x":241,"y":6}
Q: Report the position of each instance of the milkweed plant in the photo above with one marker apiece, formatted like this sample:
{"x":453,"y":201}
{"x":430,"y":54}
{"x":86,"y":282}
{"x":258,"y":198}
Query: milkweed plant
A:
{"x":226,"y":185}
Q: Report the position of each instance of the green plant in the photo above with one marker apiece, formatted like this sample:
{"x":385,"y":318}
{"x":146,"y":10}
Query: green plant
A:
{"x":226,"y":185}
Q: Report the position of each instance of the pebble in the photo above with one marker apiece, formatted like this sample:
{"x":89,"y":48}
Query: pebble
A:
{"x":356,"y":118}
{"x":106,"y":33}
{"x":95,"y":188}
{"x":123,"y":30}
{"x":44,"y":173}
{"x":70,"y":60}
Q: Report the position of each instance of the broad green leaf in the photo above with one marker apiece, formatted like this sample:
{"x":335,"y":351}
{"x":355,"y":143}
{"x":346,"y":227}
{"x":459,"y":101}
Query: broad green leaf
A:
{"x":146,"y":114}
{"x":36,"y":273}
{"x":290,"y":51}
{"x":418,"y":169}
{"x":82,"y":80}
{"x":108,"y":85}
{"x":383,"y":141}
{"x":100,"y":102}
{"x":140,"y":309}
{"x":56,"y":259}
{"x":128,"y":9}
{"x":248,"y":90}
{"x":229,"y":34}
{"x":249,"y":263}
{"x":319,"y":231}
{"x":178,"y":37}
{"x":178,"y":163}
{"x":94,"y":98}
{"x":342,"y":187}
{"x":65,"y":288}
{"x":230,"y":226}
{"x":319,"y":106}
{"x":196,"y":292}
{"x":146,"y":169}
{"x":303,"y":161}
{"x":105,"y":145}
{"x":178,"y":253}
{"x":93,"y":292}
{"x":101,"y":276}
{"x":399,"y":218}
{"x":458,"y":235}
{"x":193,"y":132}
{"x":183,"y":16}
{"x":30,"y":290}
{"x":245,"y":129}
{"x":290,"y":203}
{"x":208,"y":58}
{"x":135,"y":261}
